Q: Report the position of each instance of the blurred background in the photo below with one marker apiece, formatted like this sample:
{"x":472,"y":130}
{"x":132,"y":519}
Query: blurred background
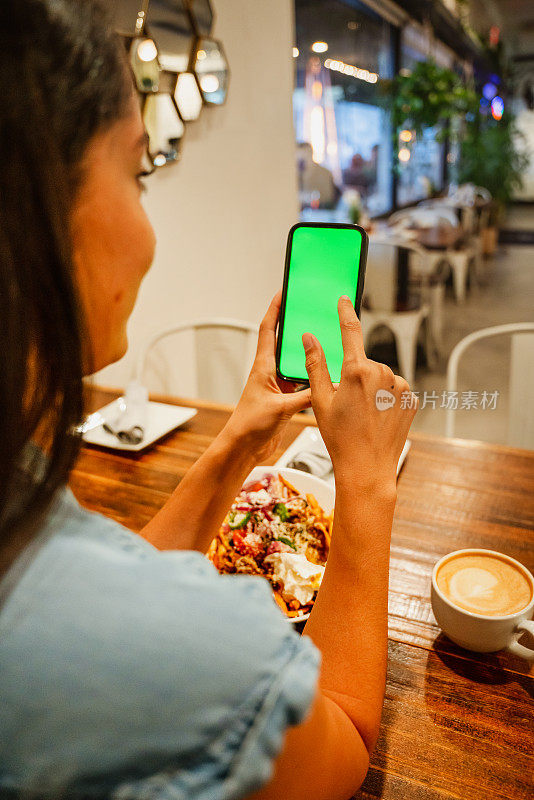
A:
{"x":414,"y":119}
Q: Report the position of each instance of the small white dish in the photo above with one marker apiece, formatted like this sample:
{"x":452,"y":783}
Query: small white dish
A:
{"x":310,"y":441}
{"x":161,"y":418}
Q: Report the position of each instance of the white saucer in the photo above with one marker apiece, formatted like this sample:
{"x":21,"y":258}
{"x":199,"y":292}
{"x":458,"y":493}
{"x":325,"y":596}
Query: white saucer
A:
{"x":162,"y":418}
{"x":310,"y":441}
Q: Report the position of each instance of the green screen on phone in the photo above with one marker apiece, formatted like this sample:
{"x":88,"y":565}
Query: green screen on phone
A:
{"x":324,"y":263}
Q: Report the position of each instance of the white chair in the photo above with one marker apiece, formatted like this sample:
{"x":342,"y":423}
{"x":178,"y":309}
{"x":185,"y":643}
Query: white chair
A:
{"x":212,"y":363}
{"x":427,"y":214}
{"x":380,"y":297}
{"x":460,"y":259}
{"x":521,"y":406}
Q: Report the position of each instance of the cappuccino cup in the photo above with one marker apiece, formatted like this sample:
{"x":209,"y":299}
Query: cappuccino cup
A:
{"x":483,"y":601}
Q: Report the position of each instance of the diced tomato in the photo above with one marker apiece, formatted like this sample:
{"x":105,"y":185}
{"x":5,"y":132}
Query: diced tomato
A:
{"x":245,"y":545}
{"x":253,"y":486}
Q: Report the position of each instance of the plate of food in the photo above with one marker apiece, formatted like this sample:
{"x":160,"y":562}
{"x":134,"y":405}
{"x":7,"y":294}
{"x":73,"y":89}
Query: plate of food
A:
{"x":279,"y":527}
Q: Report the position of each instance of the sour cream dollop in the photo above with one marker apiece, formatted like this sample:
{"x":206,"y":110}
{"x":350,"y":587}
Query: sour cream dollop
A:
{"x":299,"y":577}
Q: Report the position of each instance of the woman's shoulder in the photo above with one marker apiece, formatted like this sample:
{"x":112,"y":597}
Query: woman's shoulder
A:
{"x":154,"y":648}
{"x":87,"y":567}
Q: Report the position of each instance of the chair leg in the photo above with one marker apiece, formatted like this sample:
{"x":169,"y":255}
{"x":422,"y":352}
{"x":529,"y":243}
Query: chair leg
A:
{"x":459,"y":263}
{"x":405,"y":331}
{"x":435,"y":319}
{"x":479,"y":271}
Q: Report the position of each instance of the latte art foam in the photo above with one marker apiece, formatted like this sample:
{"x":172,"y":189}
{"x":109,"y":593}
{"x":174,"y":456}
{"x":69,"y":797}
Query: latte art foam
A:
{"x":484,"y":585}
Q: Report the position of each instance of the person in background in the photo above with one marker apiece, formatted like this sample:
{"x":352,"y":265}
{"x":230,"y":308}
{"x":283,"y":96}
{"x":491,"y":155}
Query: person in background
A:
{"x":130,"y":669}
{"x":316,"y":183}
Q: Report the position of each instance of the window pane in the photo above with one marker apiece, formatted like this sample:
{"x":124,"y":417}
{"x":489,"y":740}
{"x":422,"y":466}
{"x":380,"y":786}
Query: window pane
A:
{"x":423,"y":172}
{"x":343,"y":52}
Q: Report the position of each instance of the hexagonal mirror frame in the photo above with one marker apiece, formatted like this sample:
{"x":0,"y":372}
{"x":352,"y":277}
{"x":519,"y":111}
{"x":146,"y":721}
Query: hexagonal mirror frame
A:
{"x":145,"y":64}
{"x":165,"y":128}
{"x":202,"y":15}
{"x":188,"y":96}
{"x":169,"y":24}
{"x":162,"y":40}
{"x":211,"y":68}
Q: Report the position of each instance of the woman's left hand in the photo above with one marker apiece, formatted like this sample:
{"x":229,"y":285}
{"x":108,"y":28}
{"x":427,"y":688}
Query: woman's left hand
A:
{"x":267,"y":403}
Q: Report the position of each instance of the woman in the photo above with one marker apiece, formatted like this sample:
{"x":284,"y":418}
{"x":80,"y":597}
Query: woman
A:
{"x":130,"y":668}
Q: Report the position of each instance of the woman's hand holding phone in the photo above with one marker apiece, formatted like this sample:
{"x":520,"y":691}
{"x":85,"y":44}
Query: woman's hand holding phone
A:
{"x":364,"y":440}
{"x":268,"y":402}
{"x":328,"y":755}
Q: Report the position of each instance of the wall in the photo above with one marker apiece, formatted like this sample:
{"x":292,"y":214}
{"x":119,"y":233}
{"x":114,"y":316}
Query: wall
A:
{"x":525,"y":126}
{"x":222,"y":214}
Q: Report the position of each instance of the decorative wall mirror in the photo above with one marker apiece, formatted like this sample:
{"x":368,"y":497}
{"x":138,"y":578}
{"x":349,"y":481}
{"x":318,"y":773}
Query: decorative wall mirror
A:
{"x":202,"y":14}
{"x":170,"y":25}
{"x":178,"y":68}
{"x":211,"y":68}
{"x":145,"y":64}
{"x":165,"y":128}
{"x":188,"y":97}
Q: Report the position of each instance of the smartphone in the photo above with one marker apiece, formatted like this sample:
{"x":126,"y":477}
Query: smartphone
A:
{"x":323,"y":262}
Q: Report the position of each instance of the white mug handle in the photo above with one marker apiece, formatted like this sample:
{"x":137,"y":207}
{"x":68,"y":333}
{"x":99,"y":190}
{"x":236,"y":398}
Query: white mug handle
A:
{"x":519,"y":649}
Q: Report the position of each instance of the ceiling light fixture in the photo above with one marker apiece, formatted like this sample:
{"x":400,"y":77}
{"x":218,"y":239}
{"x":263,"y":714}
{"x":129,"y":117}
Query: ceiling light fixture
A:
{"x":349,"y":69}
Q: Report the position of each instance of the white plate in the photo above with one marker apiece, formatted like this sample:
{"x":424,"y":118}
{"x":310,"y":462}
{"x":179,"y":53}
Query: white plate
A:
{"x":311,"y":441}
{"x":324,"y":493}
{"x":162,"y":418}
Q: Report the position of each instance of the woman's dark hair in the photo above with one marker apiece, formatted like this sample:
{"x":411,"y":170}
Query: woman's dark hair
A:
{"x":64,"y":78}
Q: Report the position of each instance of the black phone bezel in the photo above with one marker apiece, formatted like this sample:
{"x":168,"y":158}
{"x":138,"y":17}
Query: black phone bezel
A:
{"x":359,"y":286}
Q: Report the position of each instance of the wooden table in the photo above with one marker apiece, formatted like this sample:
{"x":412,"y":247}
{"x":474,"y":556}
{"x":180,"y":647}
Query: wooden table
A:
{"x":455,"y":724}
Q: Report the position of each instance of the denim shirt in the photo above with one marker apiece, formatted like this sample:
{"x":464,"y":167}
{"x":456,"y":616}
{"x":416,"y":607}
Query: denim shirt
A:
{"x":134,"y":674}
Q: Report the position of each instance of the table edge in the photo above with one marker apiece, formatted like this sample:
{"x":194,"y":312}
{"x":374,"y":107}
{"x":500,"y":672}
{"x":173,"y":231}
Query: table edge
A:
{"x":306,"y":420}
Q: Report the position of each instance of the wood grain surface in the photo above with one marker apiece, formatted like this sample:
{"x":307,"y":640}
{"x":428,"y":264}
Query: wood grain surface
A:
{"x":456,"y":724}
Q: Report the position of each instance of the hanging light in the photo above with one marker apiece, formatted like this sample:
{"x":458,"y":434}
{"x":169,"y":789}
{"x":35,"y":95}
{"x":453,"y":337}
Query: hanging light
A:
{"x":404,"y":154}
{"x":296,"y":52}
{"x":405,"y":136}
{"x":349,"y":69}
{"x":319,"y":47}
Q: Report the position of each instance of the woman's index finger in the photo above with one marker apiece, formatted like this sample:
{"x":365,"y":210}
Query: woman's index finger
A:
{"x":351,"y":330}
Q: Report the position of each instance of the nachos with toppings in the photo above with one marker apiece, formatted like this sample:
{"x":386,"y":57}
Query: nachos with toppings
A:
{"x":274,"y":531}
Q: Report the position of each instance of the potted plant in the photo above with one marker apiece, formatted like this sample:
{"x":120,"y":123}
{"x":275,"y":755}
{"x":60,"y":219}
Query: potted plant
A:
{"x":428,"y":97}
{"x":491,"y":156}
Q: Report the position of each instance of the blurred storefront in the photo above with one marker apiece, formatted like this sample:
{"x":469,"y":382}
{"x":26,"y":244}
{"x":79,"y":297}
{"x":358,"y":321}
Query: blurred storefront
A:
{"x":344,"y":51}
{"x":337,"y":104}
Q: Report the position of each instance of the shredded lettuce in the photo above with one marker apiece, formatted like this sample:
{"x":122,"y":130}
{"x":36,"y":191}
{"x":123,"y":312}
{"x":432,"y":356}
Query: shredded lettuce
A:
{"x":282,"y":511}
{"x":287,"y":541}
{"x":242,"y":520}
